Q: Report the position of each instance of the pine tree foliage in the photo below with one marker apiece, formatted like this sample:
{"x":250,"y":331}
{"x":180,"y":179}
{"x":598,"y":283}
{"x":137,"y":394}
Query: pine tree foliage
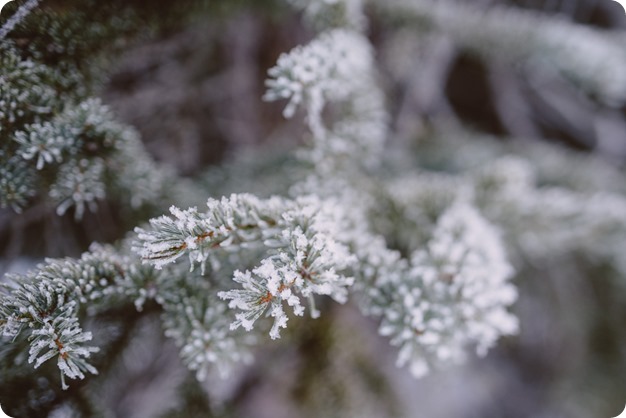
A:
{"x":337,"y":67}
{"x":308,"y":254}
{"x":59,"y":143}
{"x":533,"y":192}
{"x":427,"y":243}
{"x":48,"y":304}
{"x":590,"y":59}
{"x":21,"y":13}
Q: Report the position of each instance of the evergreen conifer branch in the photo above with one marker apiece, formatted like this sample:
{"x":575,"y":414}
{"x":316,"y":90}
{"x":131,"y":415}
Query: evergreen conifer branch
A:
{"x":304,"y":259}
{"x":532,"y":200}
{"x":78,"y":149}
{"x":592,"y":60}
{"x":454,"y":293}
{"x":336,"y":67}
{"x":58,"y":142}
{"x":21,"y":13}
{"x":47,"y":305}
{"x":199,"y":323}
{"x":422,"y":251}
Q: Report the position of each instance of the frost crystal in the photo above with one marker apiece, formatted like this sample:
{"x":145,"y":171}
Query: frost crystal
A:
{"x":229,"y":223}
{"x":80,"y":185}
{"x":62,"y":338}
{"x":44,"y":143}
{"x":330,"y":68}
{"x":304,"y":259}
{"x":308,"y":266}
{"x":24,"y":95}
{"x":456,"y":294}
{"x":336,"y":67}
{"x":414,"y":252}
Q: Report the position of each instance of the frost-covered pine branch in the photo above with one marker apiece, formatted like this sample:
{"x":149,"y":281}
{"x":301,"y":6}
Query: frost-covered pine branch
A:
{"x":336,"y":67}
{"x":303,"y":258}
{"x":78,"y":149}
{"x":454,"y":293}
{"x":306,"y":246}
{"x":59,"y":144}
{"x":548,"y":202}
{"x":593,"y":60}
{"x":17,"y":17}
{"x":45,"y":306}
{"x":420,"y":248}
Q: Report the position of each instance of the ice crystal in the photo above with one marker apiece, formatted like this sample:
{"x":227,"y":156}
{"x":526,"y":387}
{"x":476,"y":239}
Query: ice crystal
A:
{"x":456,"y":294}
{"x":327,"y":69}
{"x":79,"y":185}
{"x":44,"y":143}
{"x":24,"y":94}
{"x":63,"y":338}
{"x":305,"y":260}
{"x":309,"y":265}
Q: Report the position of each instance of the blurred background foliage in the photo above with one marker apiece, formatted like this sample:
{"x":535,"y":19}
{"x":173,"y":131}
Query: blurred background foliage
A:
{"x":189,"y":77}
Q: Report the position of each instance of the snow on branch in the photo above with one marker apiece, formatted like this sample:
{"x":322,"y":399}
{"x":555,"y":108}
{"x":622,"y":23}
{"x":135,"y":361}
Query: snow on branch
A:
{"x":46,"y":303}
{"x":593,"y":60}
{"x":229,"y":222}
{"x":447,"y":289}
{"x":19,"y":16}
{"x":304,"y":258}
{"x":455,"y":293}
{"x":336,"y":67}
